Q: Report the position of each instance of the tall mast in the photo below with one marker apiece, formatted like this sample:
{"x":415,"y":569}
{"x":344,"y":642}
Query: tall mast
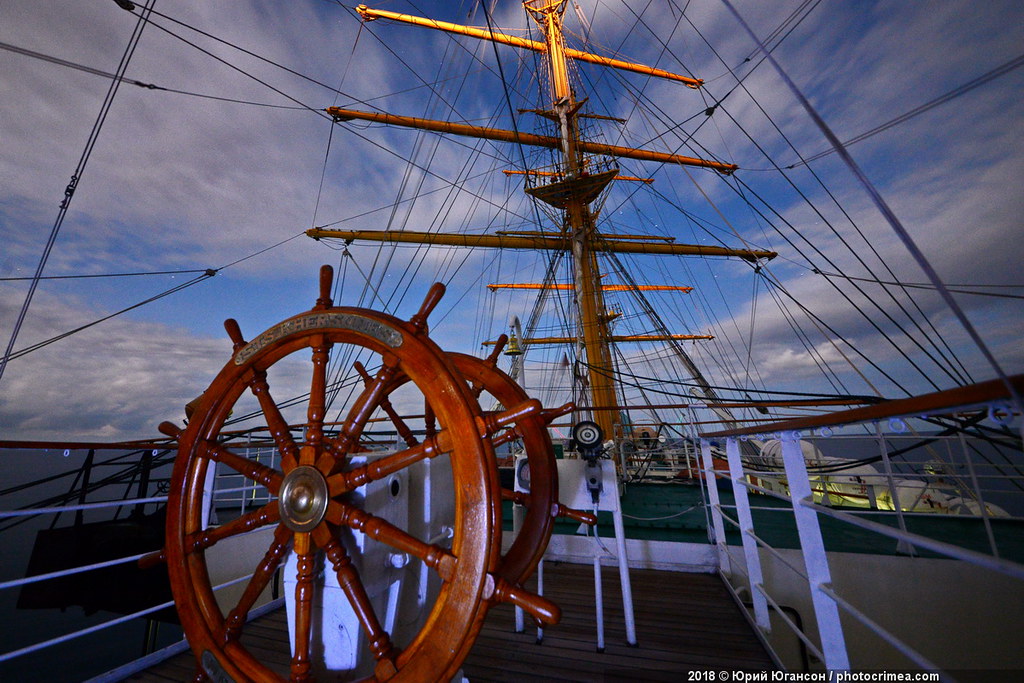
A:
{"x":578,"y":220}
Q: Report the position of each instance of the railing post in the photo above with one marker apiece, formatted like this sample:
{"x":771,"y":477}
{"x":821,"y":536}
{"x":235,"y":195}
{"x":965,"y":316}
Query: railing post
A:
{"x":145,"y":468}
{"x":746,"y":520}
{"x":716,"y":507}
{"x":982,"y":509}
{"x":894,"y":496}
{"x":209,"y":510}
{"x":86,"y":472}
{"x":833,"y":643}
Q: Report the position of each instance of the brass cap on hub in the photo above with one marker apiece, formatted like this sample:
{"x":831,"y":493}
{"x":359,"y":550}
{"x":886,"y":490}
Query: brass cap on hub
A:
{"x":303,"y":498}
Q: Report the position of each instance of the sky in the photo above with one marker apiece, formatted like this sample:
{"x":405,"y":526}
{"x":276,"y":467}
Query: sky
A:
{"x":180,"y":181}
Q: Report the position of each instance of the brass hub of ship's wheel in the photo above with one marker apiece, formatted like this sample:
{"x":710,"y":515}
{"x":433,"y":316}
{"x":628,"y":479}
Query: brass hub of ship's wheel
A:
{"x":303,"y":498}
{"x":308,"y":501}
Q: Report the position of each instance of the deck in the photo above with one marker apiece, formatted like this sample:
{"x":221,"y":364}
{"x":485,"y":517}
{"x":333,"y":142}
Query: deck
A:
{"x":684,"y":622}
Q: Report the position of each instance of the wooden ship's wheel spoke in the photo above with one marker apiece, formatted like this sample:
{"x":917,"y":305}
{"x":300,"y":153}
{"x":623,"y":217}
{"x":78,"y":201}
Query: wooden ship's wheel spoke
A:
{"x":385,"y":404}
{"x":275,"y":421}
{"x":352,"y":479}
{"x":524,"y":420}
{"x":257,"y":583}
{"x":348,"y":578}
{"x":278,"y":426}
{"x":429,"y":422}
{"x":435,"y":557}
{"x":318,"y":395}
{"x":339,"y":448}
{"x":301,"y":665}
{"x":250,"y":469}
{"x":250,"y":521}
{"x":531,"y":428}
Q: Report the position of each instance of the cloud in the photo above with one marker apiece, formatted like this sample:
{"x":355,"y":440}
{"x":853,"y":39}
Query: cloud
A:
{"x":116,"y":381}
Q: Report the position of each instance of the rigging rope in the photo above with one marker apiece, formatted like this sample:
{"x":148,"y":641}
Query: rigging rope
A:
{"x":228,"y":64}
{"x":929,"y":338}
{"x":833,"y":336}
{"x":504,"y":84}
{"x":81,"y":277}
{"x":750,"y":331}
{"x":890,"y":217}
{"x":250,"y":54}
{"x":148,"y":86}
{"x":369,"y":285}
{"x":69,"y":192}
{"x":659,"y":381}
{"x":46,"y":342}
{"x":899,"y":349}
{"x":934,"y":338}
{"x":812,"y":351}
{"x":1000,"y":70}
{"x":206,"y":274}
{"x":323,"y":173}
{"x":951,"y":371}
{"x":261,"y":251}
{"x":410,"y":165}
{"x":447,"y":269}
{"x":920,"y":285}
{"x":335,"y":361}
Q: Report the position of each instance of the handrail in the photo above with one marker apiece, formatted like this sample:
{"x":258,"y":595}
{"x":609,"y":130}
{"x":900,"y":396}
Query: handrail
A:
{"x":974,"y":394}
{"x":781,"y":611}
{"x":29,"y":512}
{"x":802,"y":481}
{"x":36,"y":578}
{"x":161,"y":444}
{"x":82,"y":632}
{"x":1008,"y":567}
{"x":762,"y":543}
{"x":907,"y":651}
{"x":28,"y":649}
{"x":125,"y":670}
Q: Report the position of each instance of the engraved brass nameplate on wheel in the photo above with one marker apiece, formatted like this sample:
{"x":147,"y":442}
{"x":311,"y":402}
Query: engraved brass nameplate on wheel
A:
{"x":321,"y":321}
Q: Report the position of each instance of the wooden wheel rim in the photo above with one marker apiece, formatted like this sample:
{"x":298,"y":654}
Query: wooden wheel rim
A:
{"x":459,"y":610}
{"x":519,"y":563}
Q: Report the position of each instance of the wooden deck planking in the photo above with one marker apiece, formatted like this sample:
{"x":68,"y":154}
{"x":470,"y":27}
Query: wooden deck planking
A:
{"x":683,"y":621}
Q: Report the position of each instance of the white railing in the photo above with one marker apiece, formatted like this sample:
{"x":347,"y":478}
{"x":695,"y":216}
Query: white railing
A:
{"x":225,"y":493}
{"x":836,"y":605}
{"x":14,"y":584}
{"x":237,"y":490}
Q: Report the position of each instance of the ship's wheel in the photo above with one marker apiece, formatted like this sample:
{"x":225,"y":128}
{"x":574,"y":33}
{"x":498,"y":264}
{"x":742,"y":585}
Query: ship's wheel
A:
{"x":313,"y":486}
